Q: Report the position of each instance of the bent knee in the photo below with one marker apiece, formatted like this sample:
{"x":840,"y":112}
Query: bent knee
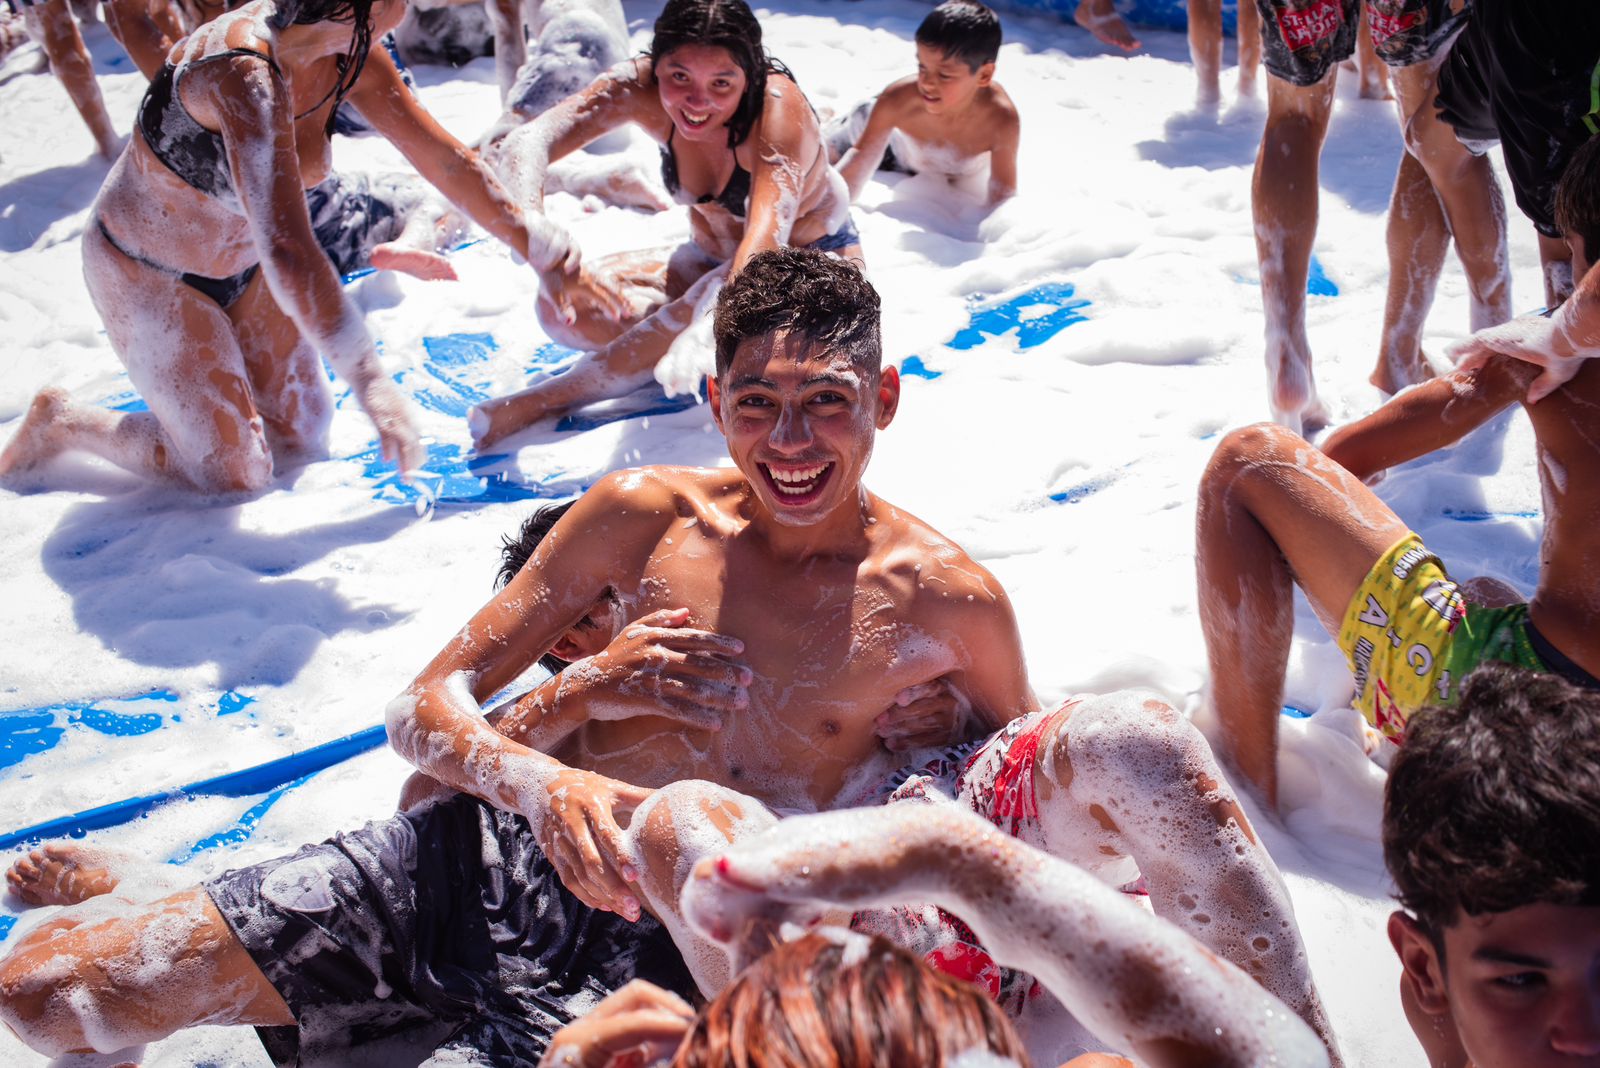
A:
{"x":36,"y":1000}
{"x":1130,"y":736}
{"x":242,"y":470}
{"x":1248,"y":447}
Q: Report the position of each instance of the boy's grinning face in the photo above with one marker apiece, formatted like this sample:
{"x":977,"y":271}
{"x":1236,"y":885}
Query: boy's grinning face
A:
{"x":947,"y":84}
{"x":800,"y":422}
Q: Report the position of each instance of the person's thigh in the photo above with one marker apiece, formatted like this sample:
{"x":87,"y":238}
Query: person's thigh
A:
{"x":285,"y":372}
{"x":183,"y":357}
{"x":111,"y":975}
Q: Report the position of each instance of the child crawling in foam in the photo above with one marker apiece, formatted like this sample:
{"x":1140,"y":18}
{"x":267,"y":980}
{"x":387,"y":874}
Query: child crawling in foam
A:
{"x":946,"y":119}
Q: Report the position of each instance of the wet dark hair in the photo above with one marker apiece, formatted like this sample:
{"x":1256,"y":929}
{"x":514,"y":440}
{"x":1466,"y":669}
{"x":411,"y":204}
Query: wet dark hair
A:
{"x":1578,"y":198}
{"x":826,"y":299}
{"x":356,"y":12}
{"x":514,"y":553}
{"x":728,"y":24}
{"x":1494,"y":803}
{"x":812,"y":1004}
{"x":964,"y":30}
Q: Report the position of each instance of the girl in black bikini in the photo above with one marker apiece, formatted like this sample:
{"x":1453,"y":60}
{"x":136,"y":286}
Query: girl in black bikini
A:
{"x":201,"y":260}
{"x":740,"y":146}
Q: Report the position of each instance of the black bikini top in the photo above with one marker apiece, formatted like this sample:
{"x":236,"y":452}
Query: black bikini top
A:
{"x":733,"y":195}
{"x":188,"y":149}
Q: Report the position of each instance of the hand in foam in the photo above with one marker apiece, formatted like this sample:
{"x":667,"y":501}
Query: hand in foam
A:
{"x":397,"y":431}
{"x":580,"y":835}
{"x":641,"y":1024}
{"x":1532,"y":339}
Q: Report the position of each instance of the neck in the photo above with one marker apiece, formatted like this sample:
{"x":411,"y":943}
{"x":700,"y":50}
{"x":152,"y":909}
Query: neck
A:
{"x":842,"y":532}
{"x":311,"y":41}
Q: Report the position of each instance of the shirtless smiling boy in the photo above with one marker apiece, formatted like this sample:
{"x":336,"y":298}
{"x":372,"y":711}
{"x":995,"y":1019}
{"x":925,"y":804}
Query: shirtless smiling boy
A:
{"x":793,"y":606}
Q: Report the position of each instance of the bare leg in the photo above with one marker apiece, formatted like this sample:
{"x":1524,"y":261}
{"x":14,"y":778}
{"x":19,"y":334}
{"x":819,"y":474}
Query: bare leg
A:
{"x":1249,"y":47}
{"x":1273,"y":513}
{"x":1100,"y":19}
{"x":179,"y":347}
{"x":1556,"y":260}
{"x":107,"y":978}
{"x":286,"y":376}
{"x":510,"y":44}
{"x":1283,"y":199}
{"x":1144,"y":987}
{"x":1467,"y":189}
{"x":1205,"y":48}
{"x":145,"y":29}
{"x":1127,"y":775}
{"x":1374,"y":72}
{"x":1418,"y":237}
{"x":52,"y":26}
{"x":623,"y":365}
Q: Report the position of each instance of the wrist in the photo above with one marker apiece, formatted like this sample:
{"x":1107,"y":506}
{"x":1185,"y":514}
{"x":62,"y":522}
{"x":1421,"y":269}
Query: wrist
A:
{"x":1575,"y":327}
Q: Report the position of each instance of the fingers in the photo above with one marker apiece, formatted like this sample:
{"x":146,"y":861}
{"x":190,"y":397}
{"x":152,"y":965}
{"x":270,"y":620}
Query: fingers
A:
{"x":1553,"y":378}
{"x":643,"y":994}
{"x":610,"y":854}
{"x":918,"y":691}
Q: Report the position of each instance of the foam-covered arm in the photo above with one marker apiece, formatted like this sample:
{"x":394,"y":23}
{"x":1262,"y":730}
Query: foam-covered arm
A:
{"x":250,"y":103}
{"x":1134,"y":979}
{"x":1425,"y":418}
{"x":859,"y":162}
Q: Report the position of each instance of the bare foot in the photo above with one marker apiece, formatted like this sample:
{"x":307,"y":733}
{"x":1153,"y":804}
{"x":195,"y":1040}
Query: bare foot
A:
{"x":1292,"y":394}
{"x":62,"y":873}
{"x":1098,"y":18}
{"x":627,"y":188}
{"x":35,"y":440}
{"x":428,"y":266}
{"x":1375,"y":84}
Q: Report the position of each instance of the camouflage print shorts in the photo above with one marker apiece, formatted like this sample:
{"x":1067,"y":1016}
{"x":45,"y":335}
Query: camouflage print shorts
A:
{"x":1303,"y":39}
{"x":443,"y":928}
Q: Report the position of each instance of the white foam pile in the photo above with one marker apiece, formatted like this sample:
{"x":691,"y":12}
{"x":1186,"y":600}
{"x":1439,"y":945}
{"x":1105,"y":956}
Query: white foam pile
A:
{"x":321,"y":601}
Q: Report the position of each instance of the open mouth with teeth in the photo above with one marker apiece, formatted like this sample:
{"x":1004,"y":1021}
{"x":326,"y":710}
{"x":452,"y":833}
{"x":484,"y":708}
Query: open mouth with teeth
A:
{"x":797,"y":484}
{"x":694,"y":121}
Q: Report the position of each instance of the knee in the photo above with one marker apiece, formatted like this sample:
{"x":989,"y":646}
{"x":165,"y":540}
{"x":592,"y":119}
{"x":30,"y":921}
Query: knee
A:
{"x":246,"y":469}
{"x":1130,"y":735}
{"x":1247,"y":449}
{"x":35,"y":1000}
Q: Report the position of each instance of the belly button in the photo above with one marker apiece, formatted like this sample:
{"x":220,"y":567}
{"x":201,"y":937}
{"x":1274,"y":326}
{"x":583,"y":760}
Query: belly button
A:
{"x":830,"y":727}
{"x":735,"y":772}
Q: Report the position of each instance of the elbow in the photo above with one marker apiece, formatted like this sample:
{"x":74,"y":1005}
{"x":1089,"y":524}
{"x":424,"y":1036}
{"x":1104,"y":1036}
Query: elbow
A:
{"x":400,"y":721}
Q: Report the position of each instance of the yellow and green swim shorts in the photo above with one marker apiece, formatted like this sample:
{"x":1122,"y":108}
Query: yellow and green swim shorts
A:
{"x":1409,"y":637}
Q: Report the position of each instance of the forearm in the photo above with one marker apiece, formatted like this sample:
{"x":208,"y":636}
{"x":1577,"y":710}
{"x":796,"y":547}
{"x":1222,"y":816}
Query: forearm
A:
{"x":856,"y":167}
{"x":463,"y":178}
{"x":1423,"y":419}
{"x":1578,"y":318}
{"x":543,"y":717}
{"x":1147,"y":986}
{"x":305,"y":286}
{"x":438,"y":729}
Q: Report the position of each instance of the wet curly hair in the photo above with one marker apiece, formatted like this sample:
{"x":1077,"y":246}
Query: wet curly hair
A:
{"x":815,"y":1003}
{"x":1494,"y":803}
{"x":828,"y":300}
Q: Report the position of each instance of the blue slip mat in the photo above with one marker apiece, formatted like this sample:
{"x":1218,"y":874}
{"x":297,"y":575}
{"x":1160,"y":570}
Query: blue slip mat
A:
{"x":452,"y":478}
{"x":25,"y":732}
{"x":1318,"y":284}
{"x":244,"y":783}
{"x":988,"y":321}
{"x":1467,"y":515}
{"x":1162,"y":14}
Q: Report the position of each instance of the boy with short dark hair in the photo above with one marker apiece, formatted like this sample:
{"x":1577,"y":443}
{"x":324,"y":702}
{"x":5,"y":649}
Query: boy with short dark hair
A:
{"x":946,"y":119}
{"x":1491,"y":832}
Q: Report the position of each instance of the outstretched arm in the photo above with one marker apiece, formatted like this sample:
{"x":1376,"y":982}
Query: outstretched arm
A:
{"x":1427,"y":417}
{"x":862,"y":159}
{"x":1003,"y":159}
{"x":250,"y":104}
{"x":785,"y":135}
{"x":1138,"y":982}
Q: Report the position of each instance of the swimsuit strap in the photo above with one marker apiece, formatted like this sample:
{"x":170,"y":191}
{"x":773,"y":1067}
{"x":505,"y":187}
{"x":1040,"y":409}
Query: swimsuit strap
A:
{"x":732,"y":196}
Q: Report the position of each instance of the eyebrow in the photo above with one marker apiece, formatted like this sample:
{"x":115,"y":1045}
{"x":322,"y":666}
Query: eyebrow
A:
{"x":824,"y":379}
{"x":679,"y":65}
{"x":1496,"y":955}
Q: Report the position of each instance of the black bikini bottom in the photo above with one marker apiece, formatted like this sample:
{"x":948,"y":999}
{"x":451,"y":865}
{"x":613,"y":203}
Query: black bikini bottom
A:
{"x":224,"y":291}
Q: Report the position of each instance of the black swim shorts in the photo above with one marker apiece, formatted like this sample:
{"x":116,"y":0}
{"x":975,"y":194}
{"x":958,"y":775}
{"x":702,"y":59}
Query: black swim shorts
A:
{"x":1527,"y":75}
{"x":442,"y":929}
{"x":1302,"y":39}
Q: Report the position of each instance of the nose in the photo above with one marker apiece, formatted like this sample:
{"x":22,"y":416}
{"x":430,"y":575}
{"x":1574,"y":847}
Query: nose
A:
{"x":792,"y":432}
{"x":1575,"y":1029}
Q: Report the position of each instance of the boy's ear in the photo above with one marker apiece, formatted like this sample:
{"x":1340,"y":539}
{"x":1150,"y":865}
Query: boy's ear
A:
{"x":985,"y":75}
{"x":888,"y":395}
{"x":1420,"y":961}
{"x":714,"y":399}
